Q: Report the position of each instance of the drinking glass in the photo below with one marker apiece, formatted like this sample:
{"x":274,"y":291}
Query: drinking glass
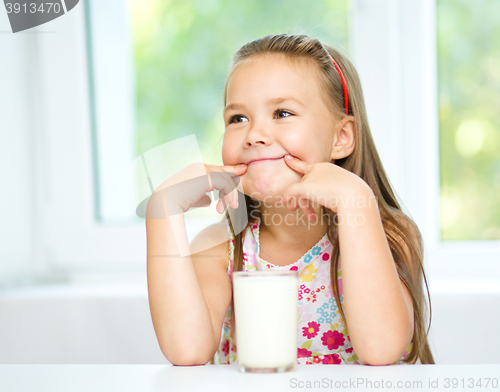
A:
{"x":266,"y":308}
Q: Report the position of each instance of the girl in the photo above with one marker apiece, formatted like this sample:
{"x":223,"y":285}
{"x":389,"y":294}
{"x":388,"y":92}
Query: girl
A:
{"x":298,"y":139}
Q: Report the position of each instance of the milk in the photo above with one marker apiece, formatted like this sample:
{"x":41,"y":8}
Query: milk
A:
{"x":266,"y":307}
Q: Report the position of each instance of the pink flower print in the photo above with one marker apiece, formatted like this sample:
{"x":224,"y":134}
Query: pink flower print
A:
{"x":326,"y":256}
{"x":317,"y":359}
{"x":225,"y":348}
{"x":302,"y":286}
{"x":311,"y":330}
{"x":333,"y":340}
{"x":332,"y":359}
{"x":349,"y":350}
{"x":294,"y":268}
{"x":307,"y":290}
{"x":303,"y":353}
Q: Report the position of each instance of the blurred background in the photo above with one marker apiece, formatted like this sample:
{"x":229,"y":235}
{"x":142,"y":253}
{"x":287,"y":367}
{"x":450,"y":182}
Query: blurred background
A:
{"x":84,"y":95}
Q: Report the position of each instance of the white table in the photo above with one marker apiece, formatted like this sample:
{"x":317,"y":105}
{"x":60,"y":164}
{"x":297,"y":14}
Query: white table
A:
{"x":144,"y":378}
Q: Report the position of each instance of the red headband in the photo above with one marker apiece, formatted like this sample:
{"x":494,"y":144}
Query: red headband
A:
{"x":346,"y":100}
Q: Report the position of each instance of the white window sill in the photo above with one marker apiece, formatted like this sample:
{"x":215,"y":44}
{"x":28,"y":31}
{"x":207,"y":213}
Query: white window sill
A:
{"x":135,"y":286}
{"x":79,"y":290}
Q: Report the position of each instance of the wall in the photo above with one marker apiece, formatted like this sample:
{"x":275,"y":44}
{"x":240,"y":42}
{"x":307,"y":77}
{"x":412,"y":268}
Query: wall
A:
{"x":78,"y":324}
{"x":112,"y":324}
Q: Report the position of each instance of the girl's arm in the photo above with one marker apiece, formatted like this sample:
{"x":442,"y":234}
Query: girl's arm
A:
{"x":188,"y":296}
{"x":377,"y":304}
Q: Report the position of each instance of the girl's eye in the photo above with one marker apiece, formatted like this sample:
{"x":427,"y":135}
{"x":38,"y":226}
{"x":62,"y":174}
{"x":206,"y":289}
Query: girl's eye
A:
{"x":236,"y":117}
{"x":285,"y":113}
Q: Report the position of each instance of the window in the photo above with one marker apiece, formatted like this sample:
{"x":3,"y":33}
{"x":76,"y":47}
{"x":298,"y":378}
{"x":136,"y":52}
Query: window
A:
{"x":395,"y":48}
{"x":469,"y":120}
{"x":167,"y":83}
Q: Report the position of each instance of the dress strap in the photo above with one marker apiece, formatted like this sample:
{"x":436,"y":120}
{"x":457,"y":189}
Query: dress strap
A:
{"x":230,"y":236}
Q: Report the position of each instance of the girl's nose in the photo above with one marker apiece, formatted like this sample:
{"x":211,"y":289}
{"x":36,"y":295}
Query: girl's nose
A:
{"x":258,"y":134}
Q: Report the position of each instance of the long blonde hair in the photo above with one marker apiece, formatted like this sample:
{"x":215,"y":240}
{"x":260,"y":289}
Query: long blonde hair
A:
{"x":402,"y":233}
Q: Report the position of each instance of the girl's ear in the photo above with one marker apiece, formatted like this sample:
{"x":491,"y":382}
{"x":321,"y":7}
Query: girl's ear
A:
{"x":345,"y":139}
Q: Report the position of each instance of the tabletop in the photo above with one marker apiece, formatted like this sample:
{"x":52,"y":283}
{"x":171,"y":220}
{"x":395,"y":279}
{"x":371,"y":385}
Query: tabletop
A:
{"x":144,"y":378}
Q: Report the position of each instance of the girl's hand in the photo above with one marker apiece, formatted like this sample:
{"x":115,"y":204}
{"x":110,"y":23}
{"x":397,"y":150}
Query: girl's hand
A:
{"x":188,"y":188}
{"x":323,"y":184}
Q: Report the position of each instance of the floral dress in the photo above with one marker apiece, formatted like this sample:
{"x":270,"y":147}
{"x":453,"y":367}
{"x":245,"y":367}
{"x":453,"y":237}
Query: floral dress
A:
{"x":321,"y":332}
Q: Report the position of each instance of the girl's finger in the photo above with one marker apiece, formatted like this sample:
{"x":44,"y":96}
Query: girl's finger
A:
{"x":292,"y":204}
{"x":221,"y":204}
{"x":227,"y":179}
{"x":226,"y":183}
{"x":239,"y":169}
{"x":205,"y":201}
{"x":309,"y":211}
{"x":296,"y":164}
{"x":306,"y":207}
{"x":231,"y":198}
{"x":234,"y":198}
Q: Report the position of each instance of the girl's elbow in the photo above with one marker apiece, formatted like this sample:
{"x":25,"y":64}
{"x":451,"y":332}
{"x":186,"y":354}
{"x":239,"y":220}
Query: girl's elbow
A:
{"x":186,"y":359}
{"x":189,"y":362}
{"x":180,"y":355}
{"x":388,"y":354}
{"x":380,"y":358}
{"x":377,"y":360}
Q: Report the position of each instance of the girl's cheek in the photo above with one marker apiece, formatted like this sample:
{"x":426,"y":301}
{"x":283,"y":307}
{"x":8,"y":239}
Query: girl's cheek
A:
{"x":227,"y":158}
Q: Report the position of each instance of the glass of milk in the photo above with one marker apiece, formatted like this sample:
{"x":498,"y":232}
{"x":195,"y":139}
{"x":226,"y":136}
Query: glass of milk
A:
{"x":266,"y":308}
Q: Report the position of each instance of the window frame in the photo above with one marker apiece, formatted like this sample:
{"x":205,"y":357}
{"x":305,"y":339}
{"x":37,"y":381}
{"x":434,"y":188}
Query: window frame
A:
{"x":66,"y":157}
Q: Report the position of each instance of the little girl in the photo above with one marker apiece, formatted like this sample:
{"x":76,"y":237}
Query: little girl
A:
{"x":297,"y":137}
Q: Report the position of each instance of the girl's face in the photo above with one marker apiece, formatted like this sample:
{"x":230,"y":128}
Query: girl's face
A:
{"x":275,"y":108}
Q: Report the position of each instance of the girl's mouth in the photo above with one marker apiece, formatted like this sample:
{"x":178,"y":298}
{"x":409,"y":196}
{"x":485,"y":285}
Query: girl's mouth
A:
{"x":264,"y":160}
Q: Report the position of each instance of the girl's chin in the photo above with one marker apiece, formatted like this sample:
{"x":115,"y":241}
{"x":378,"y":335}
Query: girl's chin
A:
{"x":265,"y":190}
{"x":270,"y":200}
{"x":268,"y":184}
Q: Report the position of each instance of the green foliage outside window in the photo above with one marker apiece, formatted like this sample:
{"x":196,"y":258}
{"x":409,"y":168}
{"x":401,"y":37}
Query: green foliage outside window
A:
{"x":469,"y":118}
